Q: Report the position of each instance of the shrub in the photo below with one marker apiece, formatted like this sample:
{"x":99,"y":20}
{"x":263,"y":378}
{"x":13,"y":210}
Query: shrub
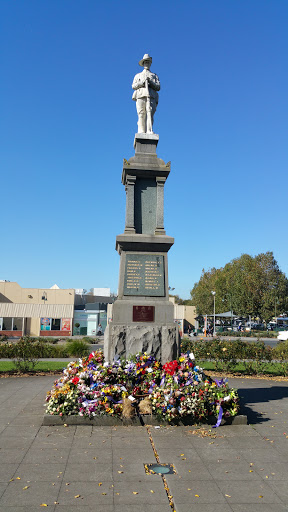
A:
{"x":77,"y":348}
{"x":26,"y":354}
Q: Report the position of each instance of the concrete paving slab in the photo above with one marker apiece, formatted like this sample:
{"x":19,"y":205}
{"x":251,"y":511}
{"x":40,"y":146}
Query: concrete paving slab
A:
{"x":139,"y":508}
{"x":80,"y":508}
{"x":89,"y":472}
{"x":247,"y":492}
{"x":14,"y":443}
{"x":238,"y":470}
{"x":13,"y":456}
{"x":274,"y":470}
{"x":264,"y":507}
{"x":36,"y":494}
{"x":22,"y":431}
{"x":131,"y":472}
{"x":196,"y":492}
{"x":204,"y":507}
{"x":281,"y":489}
{"x":137,"y":493}
{"x":3,"y":487}
{"x":87,"y":494}
{"x":45,"y":456}
{"x":186,"y":470}
{"x":80,"y":456}
{"x":41,"y":472}
{"x":177,"y":455}
{"x":7,"y":471}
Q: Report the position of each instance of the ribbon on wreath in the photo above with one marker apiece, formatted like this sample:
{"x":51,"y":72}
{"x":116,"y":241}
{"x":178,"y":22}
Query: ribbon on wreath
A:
{"x":218,"y":422}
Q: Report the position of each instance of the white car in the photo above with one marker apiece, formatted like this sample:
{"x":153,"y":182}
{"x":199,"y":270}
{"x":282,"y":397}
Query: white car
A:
{"x":282,"y":336}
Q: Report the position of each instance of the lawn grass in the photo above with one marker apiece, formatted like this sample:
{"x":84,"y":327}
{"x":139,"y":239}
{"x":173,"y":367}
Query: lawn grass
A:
{"x":42,"y":366}
{"x":266,"y":369}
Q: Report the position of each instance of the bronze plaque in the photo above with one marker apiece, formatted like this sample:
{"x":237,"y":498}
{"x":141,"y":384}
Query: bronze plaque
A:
{"x":144,"y":275}
{"x":143,"y":313}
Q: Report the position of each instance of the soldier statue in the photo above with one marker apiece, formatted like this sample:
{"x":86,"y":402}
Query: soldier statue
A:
{"x":145,"y":85}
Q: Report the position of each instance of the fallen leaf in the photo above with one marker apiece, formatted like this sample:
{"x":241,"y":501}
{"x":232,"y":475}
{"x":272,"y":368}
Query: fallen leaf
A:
{"x":104,"y":493}
{"x":251,"y":471}
{"x":65,"y":425}
{"x":56,"y":502}
{"x":12,"y":480}
{"x":18,"y":478}
{"x":117,"y":493}
{"x":152,"y":491}
{"x":26,"y":487}
{"x":188,"y":489}
{"x":260,"y":496}
{"x":196,"y":495}
{"x":228,"y":495}
{"x":134,"y":492}
{"x":182,"y":454}
{"x":77,"y":496}
{"x":43,"y":505}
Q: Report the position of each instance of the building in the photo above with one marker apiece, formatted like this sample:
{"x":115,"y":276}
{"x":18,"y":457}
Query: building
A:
{"x":35,"y":311}
{"x":91,"y":311}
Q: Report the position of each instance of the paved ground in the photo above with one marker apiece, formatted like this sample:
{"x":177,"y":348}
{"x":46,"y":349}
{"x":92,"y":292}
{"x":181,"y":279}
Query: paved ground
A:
{"x":85,"y":469}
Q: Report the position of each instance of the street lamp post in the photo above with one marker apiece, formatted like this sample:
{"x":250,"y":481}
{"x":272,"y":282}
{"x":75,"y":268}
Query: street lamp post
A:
{"x":214,"y":327}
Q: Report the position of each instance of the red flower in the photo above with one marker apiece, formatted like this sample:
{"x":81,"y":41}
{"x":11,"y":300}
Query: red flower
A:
{"x":170,"y":367}
{"x":75,"y":380}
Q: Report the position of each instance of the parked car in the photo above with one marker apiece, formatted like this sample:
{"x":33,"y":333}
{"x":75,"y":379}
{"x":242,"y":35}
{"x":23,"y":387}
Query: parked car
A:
{"x":282,"y":336}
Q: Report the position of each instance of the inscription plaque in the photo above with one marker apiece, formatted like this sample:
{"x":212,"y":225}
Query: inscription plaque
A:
{"x":143,"y":313}
{"x":144,"y":275}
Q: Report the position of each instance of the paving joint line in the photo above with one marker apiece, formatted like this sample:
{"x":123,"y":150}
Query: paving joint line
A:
{"x":169,"y":495}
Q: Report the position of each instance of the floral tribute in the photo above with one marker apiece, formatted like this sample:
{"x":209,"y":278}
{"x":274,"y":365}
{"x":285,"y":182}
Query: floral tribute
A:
{"x":177,"y":389}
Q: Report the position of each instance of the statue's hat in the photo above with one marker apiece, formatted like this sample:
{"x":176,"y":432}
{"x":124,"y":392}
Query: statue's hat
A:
{"x":146,"y":57}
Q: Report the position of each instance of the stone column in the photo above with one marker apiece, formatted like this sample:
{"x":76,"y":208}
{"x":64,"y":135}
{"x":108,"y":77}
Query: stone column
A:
{"x":160,"y":207}
{"x":129,"y":187}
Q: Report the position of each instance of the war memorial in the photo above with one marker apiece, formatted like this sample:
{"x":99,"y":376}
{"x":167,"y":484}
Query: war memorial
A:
{"x":142,"y":318}
{"x":141,"y":377}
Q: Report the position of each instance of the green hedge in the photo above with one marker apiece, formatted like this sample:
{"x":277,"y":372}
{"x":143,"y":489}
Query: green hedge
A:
{"x":249,"y":334}
{"x":38,"y":348}
{"x":226,"y":355}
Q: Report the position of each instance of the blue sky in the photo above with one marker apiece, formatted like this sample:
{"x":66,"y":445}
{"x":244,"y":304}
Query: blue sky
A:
{"x":68,"y":121}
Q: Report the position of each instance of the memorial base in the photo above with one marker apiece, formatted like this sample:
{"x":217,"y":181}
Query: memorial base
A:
{"x":125,"y":340}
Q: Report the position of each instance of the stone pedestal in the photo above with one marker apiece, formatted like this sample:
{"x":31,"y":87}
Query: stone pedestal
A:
{"x":143,"y":317}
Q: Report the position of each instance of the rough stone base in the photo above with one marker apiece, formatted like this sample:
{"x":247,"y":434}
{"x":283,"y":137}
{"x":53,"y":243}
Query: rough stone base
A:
{"x":162,"y":341}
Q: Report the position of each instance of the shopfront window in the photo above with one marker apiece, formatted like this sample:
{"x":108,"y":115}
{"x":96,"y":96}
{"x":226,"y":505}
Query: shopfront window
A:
{"x":7,"y":324}
{"x":17,"y":324}
{"x":56,"y":324}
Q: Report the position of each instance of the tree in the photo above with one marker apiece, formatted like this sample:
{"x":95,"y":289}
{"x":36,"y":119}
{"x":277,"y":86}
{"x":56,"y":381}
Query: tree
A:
{"x":247,"y":285}
{"x":181,"y":302}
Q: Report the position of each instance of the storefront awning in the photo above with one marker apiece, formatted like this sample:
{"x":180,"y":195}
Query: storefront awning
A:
{"x":11,"y":309}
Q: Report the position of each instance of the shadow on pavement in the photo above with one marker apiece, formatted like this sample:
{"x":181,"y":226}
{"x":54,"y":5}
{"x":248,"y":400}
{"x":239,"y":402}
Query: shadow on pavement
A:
{"x":259,"y":398}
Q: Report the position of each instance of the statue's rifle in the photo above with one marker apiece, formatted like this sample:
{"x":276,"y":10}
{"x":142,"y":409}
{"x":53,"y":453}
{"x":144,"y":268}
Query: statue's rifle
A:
{"x":148,"y":109}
